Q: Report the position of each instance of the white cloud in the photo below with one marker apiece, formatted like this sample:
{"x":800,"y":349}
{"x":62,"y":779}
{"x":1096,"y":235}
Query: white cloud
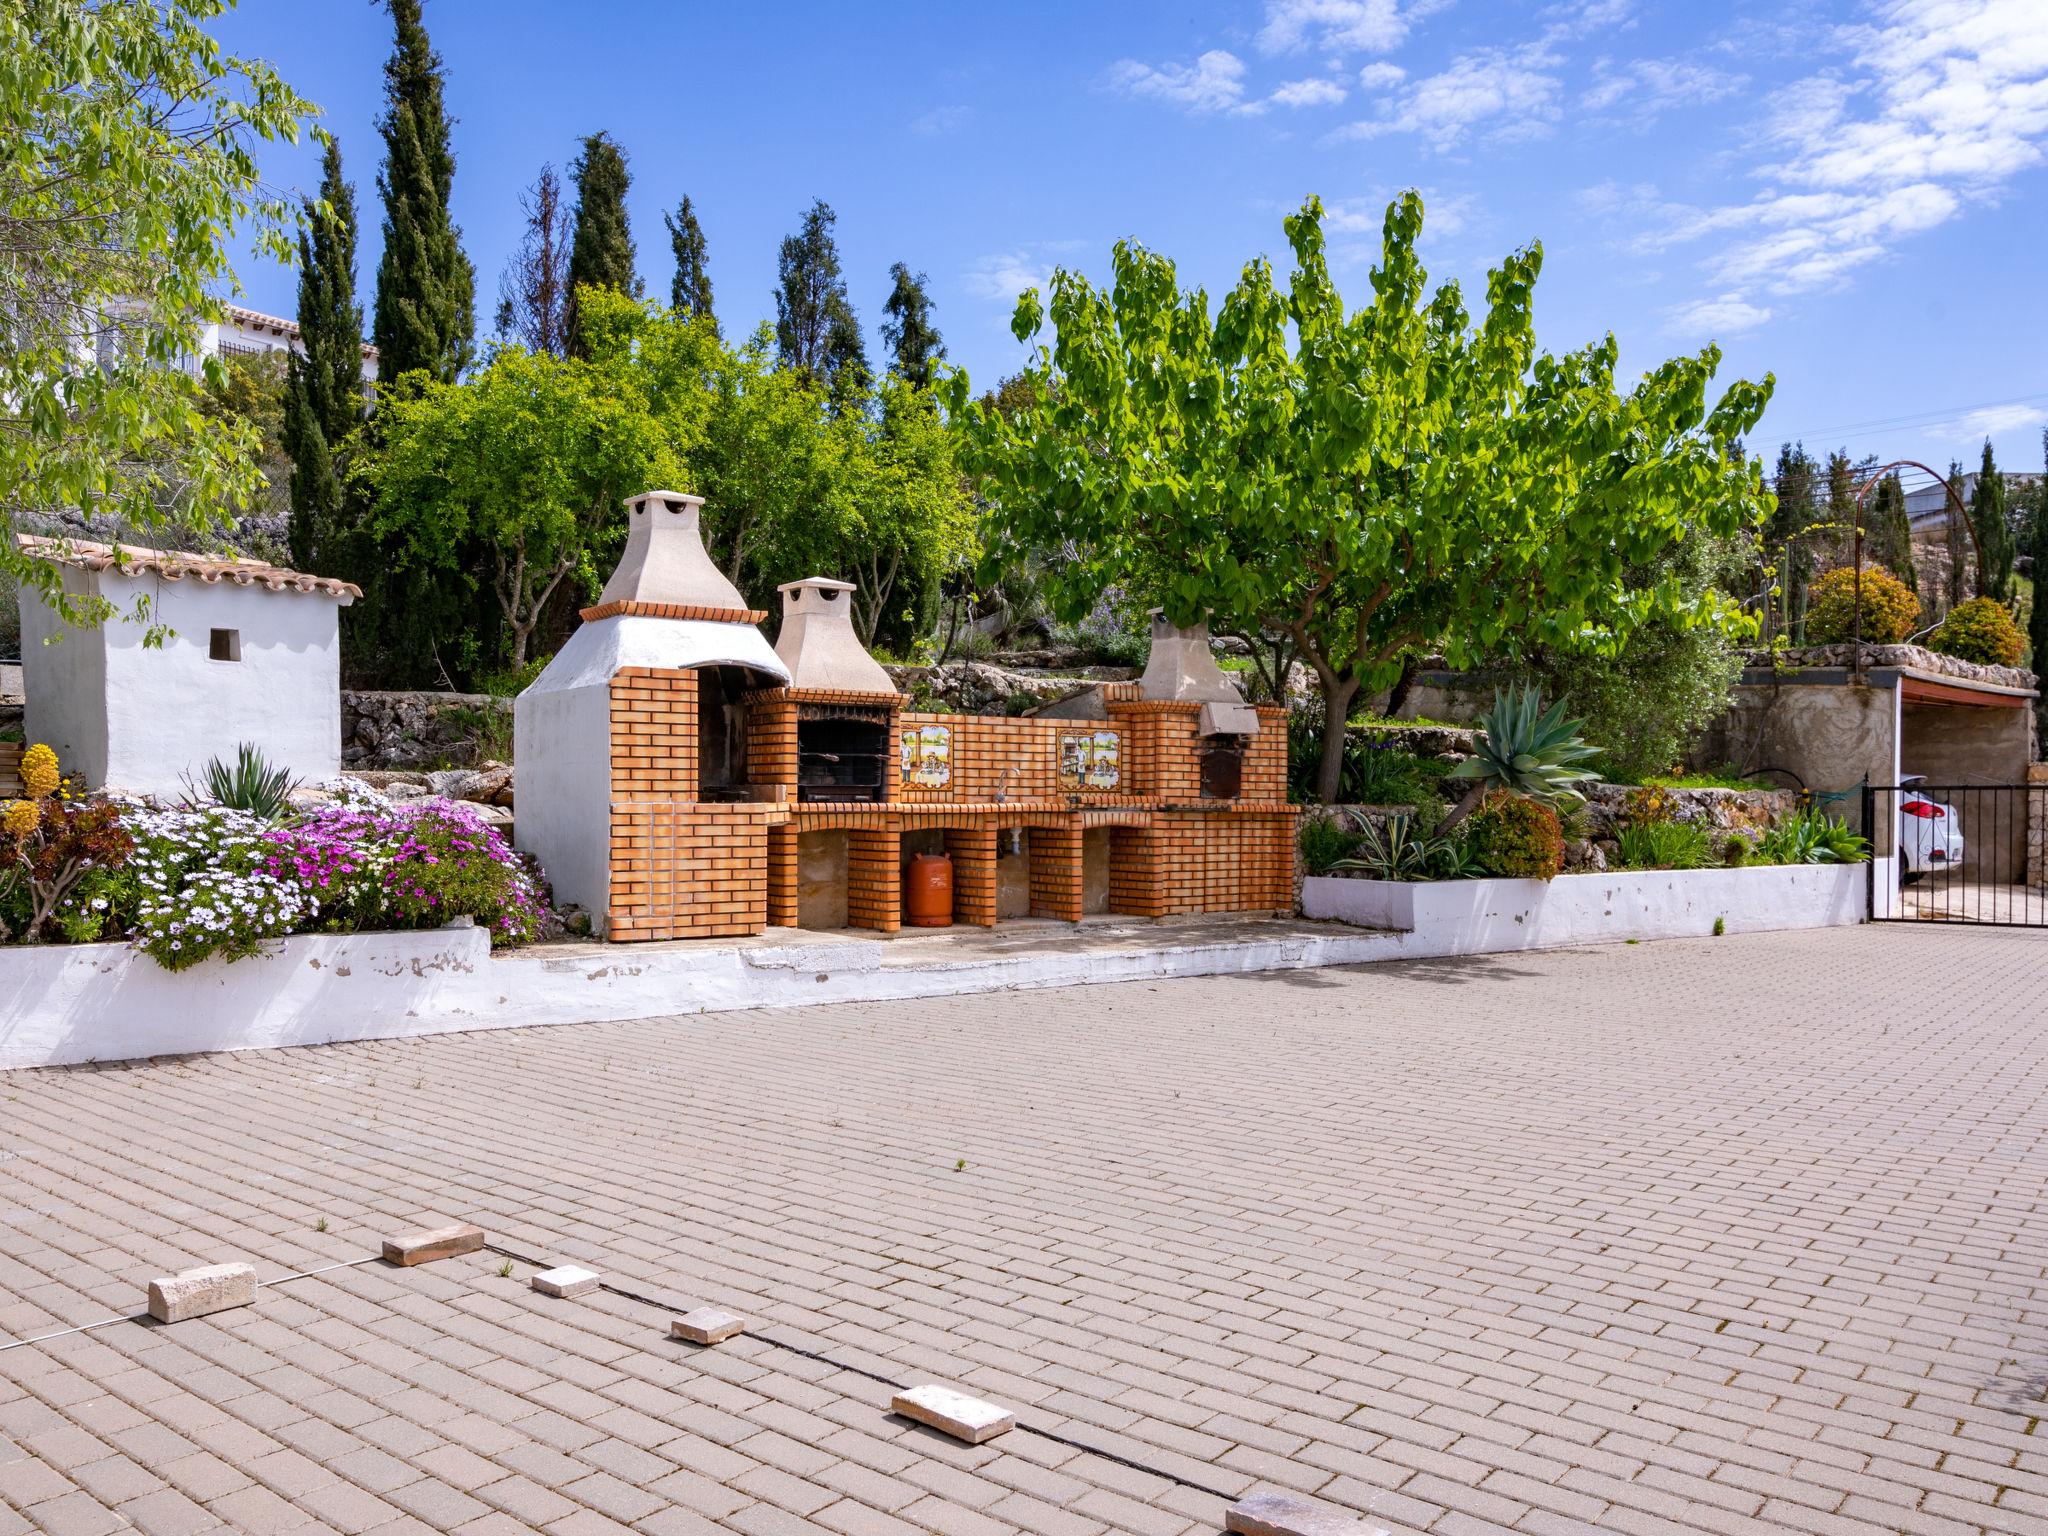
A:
{"x":1444,"y":214}
{"x":1341,"y":26}
{"x":941,"y":121}
{"x":1932,"y":109}
{"x":1727,"y":315}
{"x":1005,"y":275}
{"x":1994,"y":419}
{"x":1377,"y":77}
{"x":1213,"y":83}
{"x":1308,"y":93}
{"x":1511,"y":93}
{"x":1643,"y":88}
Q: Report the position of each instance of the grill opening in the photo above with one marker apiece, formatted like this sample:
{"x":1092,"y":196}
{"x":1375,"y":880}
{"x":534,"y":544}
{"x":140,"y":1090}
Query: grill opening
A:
{"x":722,"y":732}
{"x":841,"y":752}
{"x":1222,"y":767}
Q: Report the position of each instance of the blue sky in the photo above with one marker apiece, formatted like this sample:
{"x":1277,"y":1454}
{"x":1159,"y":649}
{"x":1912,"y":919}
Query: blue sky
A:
{"x":1849,"y":195}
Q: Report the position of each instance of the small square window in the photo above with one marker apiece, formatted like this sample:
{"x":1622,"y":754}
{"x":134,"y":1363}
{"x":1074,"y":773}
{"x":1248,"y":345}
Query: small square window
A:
{"x":225,"y":645}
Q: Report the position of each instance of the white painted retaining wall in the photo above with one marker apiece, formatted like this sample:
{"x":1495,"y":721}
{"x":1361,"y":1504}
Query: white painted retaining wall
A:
{"x":65,"y":1004}
{"x":1468,"y":917}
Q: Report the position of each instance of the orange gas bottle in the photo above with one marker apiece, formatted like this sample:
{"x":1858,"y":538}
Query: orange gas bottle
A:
{"x":928,"y":888}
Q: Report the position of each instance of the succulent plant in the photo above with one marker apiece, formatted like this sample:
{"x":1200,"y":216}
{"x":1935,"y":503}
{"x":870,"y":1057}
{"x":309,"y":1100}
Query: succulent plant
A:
{"x":1529,"y":750}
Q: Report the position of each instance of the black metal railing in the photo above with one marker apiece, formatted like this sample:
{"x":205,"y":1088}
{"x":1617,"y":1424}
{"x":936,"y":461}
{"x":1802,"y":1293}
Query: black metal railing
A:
{"x":1958,"y":853}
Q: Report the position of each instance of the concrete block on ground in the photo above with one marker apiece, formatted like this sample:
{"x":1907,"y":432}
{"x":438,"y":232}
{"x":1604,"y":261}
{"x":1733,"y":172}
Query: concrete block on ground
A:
{"x":196,"y":1292}
{"x":954,"y":1413}
{"x":707,"y":1325}
{"x":566,"y":1280}
{"x":1268,"y":1513}
{"x":435,"y":1243}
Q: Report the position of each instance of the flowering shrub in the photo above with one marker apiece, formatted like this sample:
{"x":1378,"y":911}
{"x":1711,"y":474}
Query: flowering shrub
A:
{"x":367,"y":862}
{"x":1890,"y":609}
{"x":1516,"y":838}
{"x":201,"y":888}
{"x":1980,"y":630}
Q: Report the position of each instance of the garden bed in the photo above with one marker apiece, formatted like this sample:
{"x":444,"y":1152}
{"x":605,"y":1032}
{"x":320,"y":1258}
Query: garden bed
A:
{"x":1464,"y":917}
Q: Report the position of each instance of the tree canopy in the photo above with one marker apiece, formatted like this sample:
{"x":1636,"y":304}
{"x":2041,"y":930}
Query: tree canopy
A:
{"x":690,"y":288}
{"x":127,"y":170}
{"x":815,"y":326}
{"x":1366,"y":484}
{"x":915,"y":349}
{"x":323,"y":398}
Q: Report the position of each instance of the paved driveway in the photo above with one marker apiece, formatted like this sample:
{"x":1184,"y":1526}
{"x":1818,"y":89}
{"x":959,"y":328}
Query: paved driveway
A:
{"x":1731,"y":1235}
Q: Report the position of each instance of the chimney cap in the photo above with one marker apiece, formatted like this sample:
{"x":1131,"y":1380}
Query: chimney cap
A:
{"x":666,"y":498}
{"x":816,"y":584}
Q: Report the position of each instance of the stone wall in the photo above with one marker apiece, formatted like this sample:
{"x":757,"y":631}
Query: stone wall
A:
{"x":419,"y":730}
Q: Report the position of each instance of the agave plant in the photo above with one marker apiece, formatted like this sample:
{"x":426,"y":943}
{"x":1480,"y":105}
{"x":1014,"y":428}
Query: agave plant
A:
{"x":249,"y":784}
{"x":1527,"y":750}
{"x":1388,"y":850}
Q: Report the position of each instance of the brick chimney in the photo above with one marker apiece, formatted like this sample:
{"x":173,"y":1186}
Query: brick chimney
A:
{"x":664,"y":560}
{"x":818,"y":644}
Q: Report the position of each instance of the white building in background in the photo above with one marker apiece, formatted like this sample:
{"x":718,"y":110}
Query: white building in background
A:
{"x":248,"y":333}
{"x":254,"y":656}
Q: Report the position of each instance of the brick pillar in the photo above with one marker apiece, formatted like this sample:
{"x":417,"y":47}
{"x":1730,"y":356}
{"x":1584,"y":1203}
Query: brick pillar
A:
{"x":2037,"y":824}
{"x":874,"y":881}
{"x":1134,"y":872}
{"x":974,"y":875}
{"x":782,"y":876}
{"x":1056,"y":872}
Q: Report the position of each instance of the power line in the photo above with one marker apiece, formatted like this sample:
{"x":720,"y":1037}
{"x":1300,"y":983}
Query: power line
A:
{"x":1942,"y":414}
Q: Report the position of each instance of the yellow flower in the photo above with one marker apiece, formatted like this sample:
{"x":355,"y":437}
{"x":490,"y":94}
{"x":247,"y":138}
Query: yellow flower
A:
{"x":39,"y":774}
{"x":20,"y":818}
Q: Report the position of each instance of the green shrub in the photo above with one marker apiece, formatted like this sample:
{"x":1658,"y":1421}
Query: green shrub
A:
{"x":1324,"y":841}
{"x":1389,"y":850}
{"x":1666,"y":845}
{"x":1516,"y":838}
{"x":1890,"y":610}
{"x":1811,"y":837}
{"x":1982,"y":631}
{"x":1375,"y":771}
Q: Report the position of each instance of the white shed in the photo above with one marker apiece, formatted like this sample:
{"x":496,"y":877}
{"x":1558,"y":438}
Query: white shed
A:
{"x":253,"y":654}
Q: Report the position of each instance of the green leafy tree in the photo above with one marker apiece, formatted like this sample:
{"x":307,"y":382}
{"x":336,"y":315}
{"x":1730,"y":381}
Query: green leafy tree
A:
{"x":601,"y":251}
{"x":913,"y":341}
{"x":425,"y":310}
{"x":902,"y":513}
{"x":1366,"y":483}
{"x":690,"y":288}
{"x":127,"y":172}
{"x":816,"y":330}
{"x":1994,"y":532}
{"x":323,"y":398}
{"x":531,"y":457}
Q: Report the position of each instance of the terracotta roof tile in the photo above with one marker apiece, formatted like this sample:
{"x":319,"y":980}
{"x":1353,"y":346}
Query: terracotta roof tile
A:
{"x":175,"y":565}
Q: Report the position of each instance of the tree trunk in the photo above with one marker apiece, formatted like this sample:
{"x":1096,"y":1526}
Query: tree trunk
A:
{"x":1336,"y":712}
{"x":1397,"y":697}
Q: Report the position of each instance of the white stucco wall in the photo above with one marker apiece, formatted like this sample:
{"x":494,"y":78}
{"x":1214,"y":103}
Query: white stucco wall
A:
{"x":1460,"y":917}
{"x":64,"y":678}
{"x":171,"y":708}
{"x":561,"y":750}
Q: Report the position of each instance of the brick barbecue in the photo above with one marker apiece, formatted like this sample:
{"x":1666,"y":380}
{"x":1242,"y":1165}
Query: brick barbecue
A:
{"x":680,"y":780}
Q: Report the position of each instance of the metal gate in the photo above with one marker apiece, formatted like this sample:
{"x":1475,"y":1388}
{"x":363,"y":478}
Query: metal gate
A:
{"x":1957,"y":853}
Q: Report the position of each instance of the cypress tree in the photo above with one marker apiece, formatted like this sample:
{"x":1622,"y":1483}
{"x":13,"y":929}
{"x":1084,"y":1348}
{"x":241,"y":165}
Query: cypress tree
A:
{"x":815,"y":327}
{"x":1888,"y":532}
{"x":533,"y":290}
{"x":1958,"y":541}
{"x":323,"y":399}
{"x":690,"y":291}
{"x":1994,"y":533}
{"x":601,"y":251}
{"x":426,"y":289}
{"x":908,"y":332}
{"x":1785,"y":534}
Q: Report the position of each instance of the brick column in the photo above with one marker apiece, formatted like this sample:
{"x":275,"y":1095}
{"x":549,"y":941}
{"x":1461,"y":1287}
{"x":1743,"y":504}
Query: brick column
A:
{"x":874,"y":881}
{"x":1056,"y":872}
{"x":974,"y":875}
{"x":782,"y":876}
{"x":2037,"y":824}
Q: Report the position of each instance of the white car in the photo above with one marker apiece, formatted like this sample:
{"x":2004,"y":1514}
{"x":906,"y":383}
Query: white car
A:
{"x":1930,"y":833}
